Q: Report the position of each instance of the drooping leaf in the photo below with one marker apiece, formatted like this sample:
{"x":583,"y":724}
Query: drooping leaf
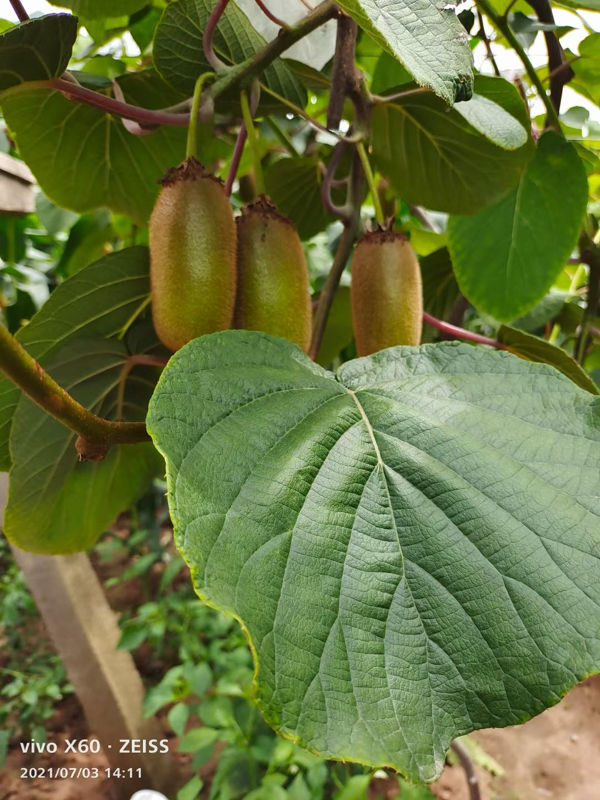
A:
{"x":36,"y":50}
{"x":84,"y":158}
{"x":436,"y":158}
{"x":294,"y":185}
{"x":97,"y":302}
{"x":507,"y":256}
{"x":399,"y":540}
{"x":101,"y":9}
{"x":532,"y":348}
{"x":56,"y":504}
{"x":493,"y":122}
{"x":426,"y":37}
{"x":179,"y":54}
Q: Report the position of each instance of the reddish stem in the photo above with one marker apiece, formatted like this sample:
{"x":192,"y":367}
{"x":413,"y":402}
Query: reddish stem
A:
{"x":126,"y":110}
{"x":270,"y":15}
{"x":19,"y":10}
{"x":207,"y":41}
{"x":460,"y":333}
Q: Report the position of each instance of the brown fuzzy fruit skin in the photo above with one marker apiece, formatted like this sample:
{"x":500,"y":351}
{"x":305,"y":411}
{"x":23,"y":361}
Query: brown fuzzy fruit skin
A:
{"x":273,"y":287}
{"x":192,"y":256}
{"x":386,"y":293}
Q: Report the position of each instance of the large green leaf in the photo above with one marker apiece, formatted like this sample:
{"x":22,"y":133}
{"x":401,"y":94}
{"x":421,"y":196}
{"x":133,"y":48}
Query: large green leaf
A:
{"x":426,"y":37}
{"x":587,"y":67}
{"x":98,"y":301}
{"x":509,"y":255}
{"x":179,"y":54}
{"x":412,"y":545}
{"x":436,"y":158}
{"x":100,"y":9}
{"x":56,"y":504}
{"x":84,"y":158}
{"x":36,"y":50}
{"x":526,"y":345}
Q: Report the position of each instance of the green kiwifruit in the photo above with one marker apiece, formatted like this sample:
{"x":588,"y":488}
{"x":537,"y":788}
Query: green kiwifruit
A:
{"x":386,"y":293}
{"x":273,"y":287}
{"x":192,"y":256}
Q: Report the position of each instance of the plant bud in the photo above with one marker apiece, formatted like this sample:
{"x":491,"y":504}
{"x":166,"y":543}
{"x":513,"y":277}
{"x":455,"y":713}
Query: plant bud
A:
{"x":192,"y":256}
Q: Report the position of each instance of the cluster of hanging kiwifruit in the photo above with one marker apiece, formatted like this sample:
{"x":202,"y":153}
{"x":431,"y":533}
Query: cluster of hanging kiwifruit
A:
{"x":211,"y":271}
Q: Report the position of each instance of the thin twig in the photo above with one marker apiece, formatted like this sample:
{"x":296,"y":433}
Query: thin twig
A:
{"x":486,"y":41}
{"x":130,"y":125}
{"x":420,"y":214}
{"x":344,"y":249}
{"x":469,"y":768}
{"x":19,"y":10}
{"x":343,"y":212}
{"x":344,"y":70}
{"x":96,"y":435}
{"x":460,"y":333}
{"x":556,"y":57}
{"x":382,"y":98}
{"x":209,"y":33}
{"x":240,"y":143}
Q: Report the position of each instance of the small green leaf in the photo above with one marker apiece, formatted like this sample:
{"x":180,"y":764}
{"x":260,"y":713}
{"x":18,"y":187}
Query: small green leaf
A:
{"x":179,"y":54}
{"x":132,"y":636}
{"x":338,"y":332}
{"x":440,"y":290}
{"x":434,"y":157}
{"x":97,"y":302}
{"x":178,"y":717}
{"x":533,"y":348}
{"x":191,"y":790}
{"x":493,"y":122}
{"x":408,"y":554}
{"x":196,"y":739}
{"x":36,"y":50}
{"x":355,"y":788}
{"x":507,"y":256}
{"x":427,"y":39}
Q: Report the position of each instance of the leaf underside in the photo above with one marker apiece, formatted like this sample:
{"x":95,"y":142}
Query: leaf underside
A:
{"x":412,"y":545}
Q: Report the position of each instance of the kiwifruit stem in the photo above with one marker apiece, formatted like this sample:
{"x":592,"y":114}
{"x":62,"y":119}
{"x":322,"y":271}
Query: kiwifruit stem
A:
{"x":253,"y":142}
{"x":366,"y":165}
{"x":192,"y":138}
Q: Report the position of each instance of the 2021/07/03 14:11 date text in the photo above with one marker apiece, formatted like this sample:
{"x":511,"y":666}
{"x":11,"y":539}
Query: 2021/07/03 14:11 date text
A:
{"x":62,"y":773}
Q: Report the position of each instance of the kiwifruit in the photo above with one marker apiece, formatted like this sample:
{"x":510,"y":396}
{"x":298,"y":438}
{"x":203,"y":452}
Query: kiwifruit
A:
{"x":273,"y":287}
{"x":192,"y":256}
{"x":386,"y":293}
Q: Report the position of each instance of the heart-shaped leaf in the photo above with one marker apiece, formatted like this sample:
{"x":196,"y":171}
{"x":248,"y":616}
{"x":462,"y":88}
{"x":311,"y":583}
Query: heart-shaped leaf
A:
{"x":508,"y":255}
{"x":84,"y":158}
{"x":412,"y":545}
{"x":36,"y":50}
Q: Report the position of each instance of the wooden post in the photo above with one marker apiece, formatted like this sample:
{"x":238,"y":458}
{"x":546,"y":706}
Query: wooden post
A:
{"x":85,"y":633}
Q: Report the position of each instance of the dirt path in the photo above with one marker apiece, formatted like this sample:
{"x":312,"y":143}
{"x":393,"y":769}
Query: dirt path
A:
{"x":555,"y":756}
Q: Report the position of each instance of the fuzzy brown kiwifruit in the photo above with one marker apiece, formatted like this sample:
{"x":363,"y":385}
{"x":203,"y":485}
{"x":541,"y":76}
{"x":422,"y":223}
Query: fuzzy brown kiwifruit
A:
{"x":386,"y":293}
{"x":273,"y":287}
{"x":192,"y":256}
